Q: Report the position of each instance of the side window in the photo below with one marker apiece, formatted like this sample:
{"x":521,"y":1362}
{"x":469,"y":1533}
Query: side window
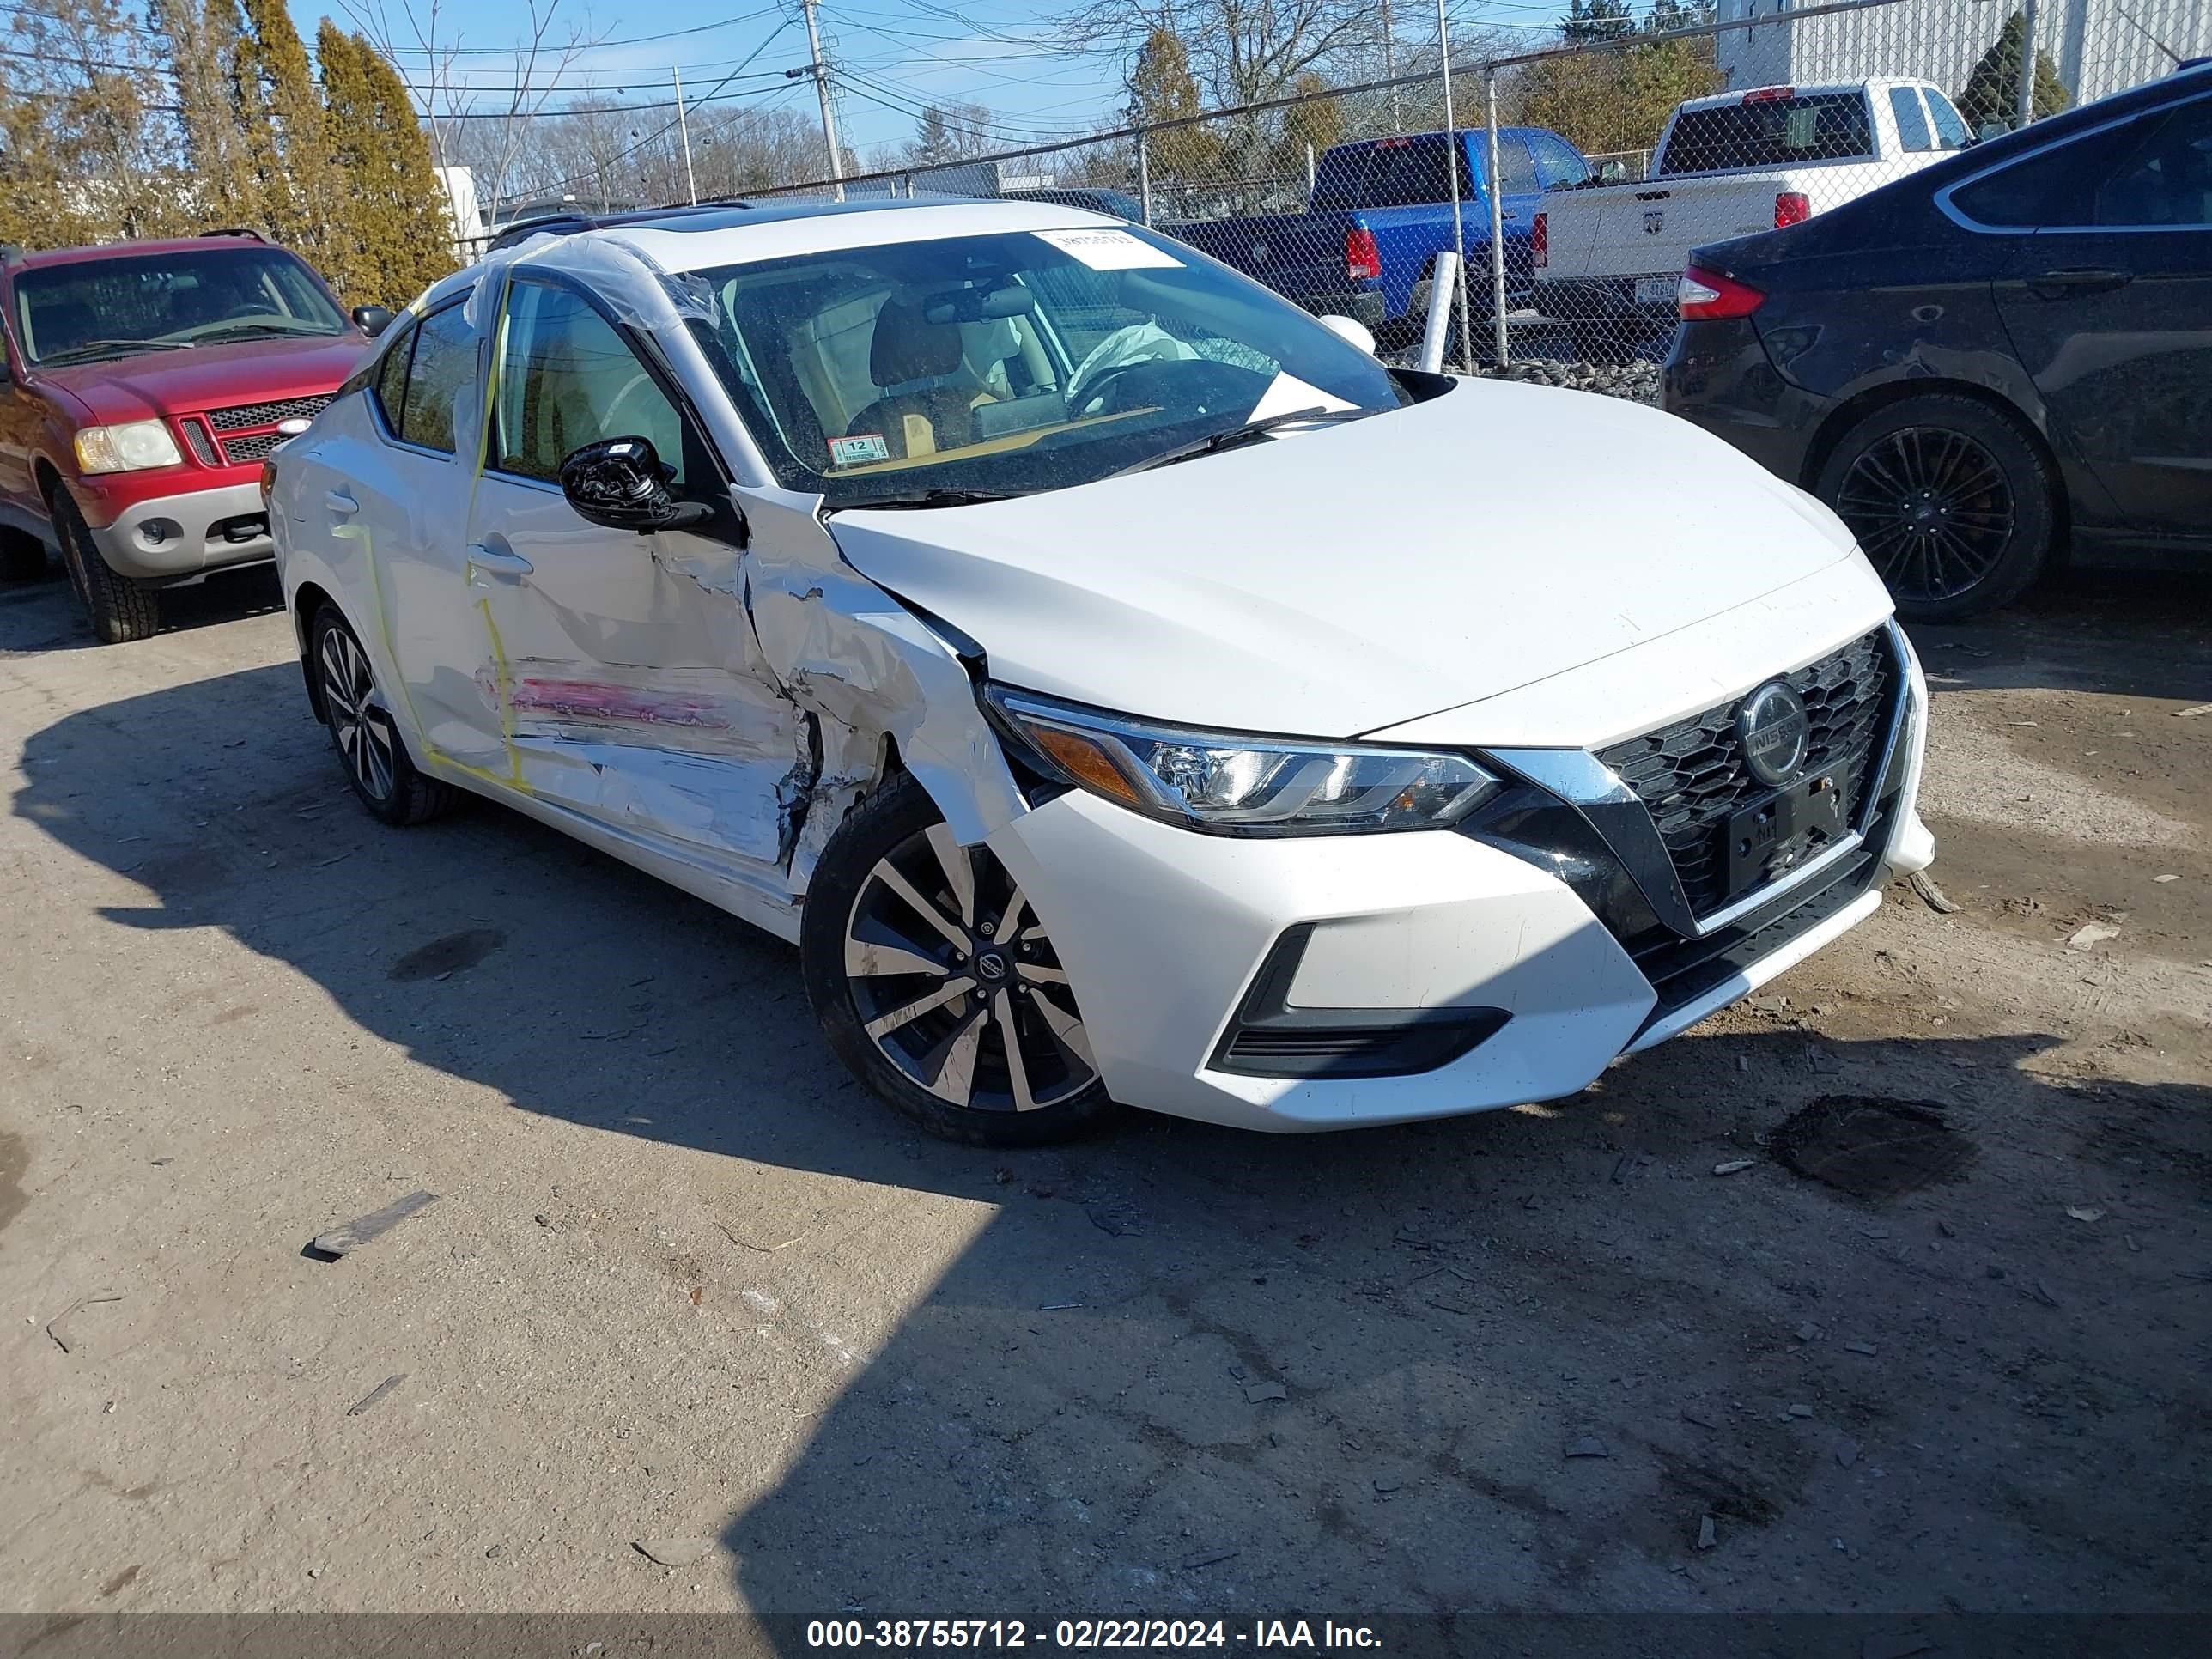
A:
{"x":445,"y":363}
{"x":2165,"y":178}
{"x":390,"y":390}
{"x":1950,"y":125}
{"x":1556,"y":164}
{"x":1517,"y":174}
{"x":567,"y":380}
{"x":2152,"y":171}
{"x":1912,"y":134}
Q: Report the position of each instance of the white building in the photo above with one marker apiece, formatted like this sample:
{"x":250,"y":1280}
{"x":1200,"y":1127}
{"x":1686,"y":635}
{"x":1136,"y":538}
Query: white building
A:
{"x":2097,"y":46}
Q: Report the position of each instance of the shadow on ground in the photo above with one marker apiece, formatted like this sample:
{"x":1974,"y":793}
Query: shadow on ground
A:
{"x":45,"y":616}
{"x":1514,"y":1361}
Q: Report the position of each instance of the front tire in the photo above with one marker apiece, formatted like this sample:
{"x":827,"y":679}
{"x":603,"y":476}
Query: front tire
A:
{"x":364,"y":732}
{"x":1951,"y":501}
{"x":937,"y":984}
{"x":121,"y":609}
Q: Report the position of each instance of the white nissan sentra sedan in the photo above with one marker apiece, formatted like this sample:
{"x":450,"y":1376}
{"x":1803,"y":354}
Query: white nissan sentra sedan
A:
{"x":1119,"y":684}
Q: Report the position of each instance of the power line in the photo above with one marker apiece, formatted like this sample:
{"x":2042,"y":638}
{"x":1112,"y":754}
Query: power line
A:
{"x":592,"y":46}
{"x":667,"y":127}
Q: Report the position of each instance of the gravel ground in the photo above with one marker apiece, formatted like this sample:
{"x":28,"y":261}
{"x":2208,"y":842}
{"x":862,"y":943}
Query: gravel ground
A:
{"x":1885,"y":1292}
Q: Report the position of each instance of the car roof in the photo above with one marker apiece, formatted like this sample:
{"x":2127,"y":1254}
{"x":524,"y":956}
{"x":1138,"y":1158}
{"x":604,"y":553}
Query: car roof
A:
{"x":744,"y":233}
{"x":1803,"y":89}
{"x":707,"y":215}
{"x":71,"y":256}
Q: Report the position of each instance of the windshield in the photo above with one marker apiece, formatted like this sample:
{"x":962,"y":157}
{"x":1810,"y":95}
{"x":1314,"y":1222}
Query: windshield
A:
{"x":109,"y":307}
{"x":1011,"y":363}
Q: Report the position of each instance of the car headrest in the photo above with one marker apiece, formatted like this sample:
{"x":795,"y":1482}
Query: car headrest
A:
{"x":907,"y":346}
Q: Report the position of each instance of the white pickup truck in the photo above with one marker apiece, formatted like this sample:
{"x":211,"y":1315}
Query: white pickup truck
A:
{"x":1607,"y":256}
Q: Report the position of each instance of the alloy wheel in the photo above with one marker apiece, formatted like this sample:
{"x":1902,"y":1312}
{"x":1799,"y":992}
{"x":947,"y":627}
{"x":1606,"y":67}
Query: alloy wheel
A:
{"x":360,"y":723}
{"x":1932,"y":510}
{"x":956,"y":983}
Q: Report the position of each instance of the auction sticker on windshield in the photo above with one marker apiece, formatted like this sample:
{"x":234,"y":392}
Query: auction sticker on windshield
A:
{"x":1108,"y":249}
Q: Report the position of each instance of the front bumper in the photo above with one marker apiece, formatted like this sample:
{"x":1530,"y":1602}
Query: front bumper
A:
{"x":1515,"y":956}
{"x":176,"y":537}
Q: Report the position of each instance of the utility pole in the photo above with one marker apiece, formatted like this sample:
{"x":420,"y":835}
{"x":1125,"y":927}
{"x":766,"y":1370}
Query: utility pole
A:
{"x":1390,"y":64}
{"x":690,"y":181}
{"x":822,"y":88}
{"x":2024,"y":110}
{"x":1455,"y":148}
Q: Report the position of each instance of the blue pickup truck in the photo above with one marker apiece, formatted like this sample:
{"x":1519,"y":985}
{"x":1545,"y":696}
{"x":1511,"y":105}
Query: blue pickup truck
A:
{"x":1380,"y":213}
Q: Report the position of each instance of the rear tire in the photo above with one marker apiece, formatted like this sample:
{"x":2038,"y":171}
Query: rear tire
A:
{"x":365,"y":733}
{"x":1951,"y":501}
{"x":121,"y":609}
{"x":937,"y":985}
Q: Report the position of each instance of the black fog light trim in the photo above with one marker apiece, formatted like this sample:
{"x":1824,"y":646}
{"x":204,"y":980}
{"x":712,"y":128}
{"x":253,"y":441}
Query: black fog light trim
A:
{"x":1270,"y":1038}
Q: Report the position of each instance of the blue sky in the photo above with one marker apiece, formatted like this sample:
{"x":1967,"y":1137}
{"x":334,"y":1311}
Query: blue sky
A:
{"x":895,"y":56}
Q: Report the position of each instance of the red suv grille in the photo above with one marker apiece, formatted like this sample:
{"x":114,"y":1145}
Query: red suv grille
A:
{"x":241,"y":417}
{"x":247,"y":432}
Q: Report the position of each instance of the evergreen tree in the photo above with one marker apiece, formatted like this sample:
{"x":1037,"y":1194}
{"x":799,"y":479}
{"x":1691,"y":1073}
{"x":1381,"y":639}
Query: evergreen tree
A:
{"x":1992,"y":89}
{"x":1161,"y":89}
{"x":1318,"y":123}
{"x":933,"y":140}
{"x":302,"y":201}
{"x":351,"y":262}
{"x":204,"y":43}
{"x":1597,"y":19}
{"x":417,"y":228}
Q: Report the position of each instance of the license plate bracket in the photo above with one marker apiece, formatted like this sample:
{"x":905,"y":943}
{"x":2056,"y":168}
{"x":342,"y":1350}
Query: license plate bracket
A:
{"x":1656,"y":290}
{"x":1757,"y":832}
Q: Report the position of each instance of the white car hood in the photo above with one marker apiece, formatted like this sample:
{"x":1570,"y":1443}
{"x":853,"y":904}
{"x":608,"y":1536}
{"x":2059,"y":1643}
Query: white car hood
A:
{"x":1348,"y":578}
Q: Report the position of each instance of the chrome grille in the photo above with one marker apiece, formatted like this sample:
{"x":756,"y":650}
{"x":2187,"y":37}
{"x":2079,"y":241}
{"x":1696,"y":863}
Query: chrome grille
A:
{"x":1691,"y":777}
{"x":241,"y":418}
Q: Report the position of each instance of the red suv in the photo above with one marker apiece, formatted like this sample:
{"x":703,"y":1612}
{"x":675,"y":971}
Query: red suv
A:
{"x":146,"y":382}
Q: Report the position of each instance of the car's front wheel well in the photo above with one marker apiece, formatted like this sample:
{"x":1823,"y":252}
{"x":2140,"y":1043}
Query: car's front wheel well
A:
{"x":307,"y":603}
{"x":1845,"y":416}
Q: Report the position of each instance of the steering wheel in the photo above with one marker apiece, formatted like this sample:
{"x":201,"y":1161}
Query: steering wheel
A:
{"x":1195,"y":385}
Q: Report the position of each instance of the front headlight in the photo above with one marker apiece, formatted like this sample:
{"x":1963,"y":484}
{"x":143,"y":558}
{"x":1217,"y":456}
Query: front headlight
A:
{"x":1230,"y":784}
{"x":126,"y":448}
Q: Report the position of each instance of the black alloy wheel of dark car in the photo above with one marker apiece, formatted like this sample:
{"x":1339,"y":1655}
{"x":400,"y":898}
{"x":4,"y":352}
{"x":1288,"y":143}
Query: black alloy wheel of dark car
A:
{"x":939,"y":986}
{"x":366,"y":735}
{"x":1949,"y":500}
{"x":121,"y":609}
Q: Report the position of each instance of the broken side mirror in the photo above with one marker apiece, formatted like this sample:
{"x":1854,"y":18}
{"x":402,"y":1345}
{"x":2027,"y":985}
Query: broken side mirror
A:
{"x":372,"y":320}
{"x":623,"y":485}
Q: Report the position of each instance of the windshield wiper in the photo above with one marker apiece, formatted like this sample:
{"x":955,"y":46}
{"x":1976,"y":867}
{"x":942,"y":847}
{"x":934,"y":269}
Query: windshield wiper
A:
{"x":241,"y":331}
{"x":928,"y":498}
{"x":1234,"y":437}
{"x":94,"y":347}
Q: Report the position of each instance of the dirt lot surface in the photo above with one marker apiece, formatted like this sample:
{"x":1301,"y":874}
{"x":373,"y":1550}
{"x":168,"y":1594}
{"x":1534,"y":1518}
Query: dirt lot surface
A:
{"x":1941,"y":1338}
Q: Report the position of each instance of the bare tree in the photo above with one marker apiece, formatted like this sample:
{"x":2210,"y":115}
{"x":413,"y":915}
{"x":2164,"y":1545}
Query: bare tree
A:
{"x":498,"y":138}
{"x":1240,"y":51}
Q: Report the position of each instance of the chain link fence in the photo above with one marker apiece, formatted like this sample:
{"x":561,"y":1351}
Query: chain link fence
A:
{"x":1344,"y":201}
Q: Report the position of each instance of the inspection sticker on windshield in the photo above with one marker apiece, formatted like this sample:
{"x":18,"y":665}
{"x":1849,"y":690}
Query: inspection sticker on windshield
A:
{"x":861,"y":446}
{"x":1106,"y":249}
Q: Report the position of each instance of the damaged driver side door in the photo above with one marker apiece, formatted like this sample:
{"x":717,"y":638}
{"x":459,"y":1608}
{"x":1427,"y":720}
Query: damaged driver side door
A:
{"x":621,"y":669}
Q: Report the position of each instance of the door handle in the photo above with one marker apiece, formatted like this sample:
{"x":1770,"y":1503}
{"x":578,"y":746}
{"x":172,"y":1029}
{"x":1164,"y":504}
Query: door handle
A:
{"x":342,"y":502}
{"x":497,"y":563}
{"x":2060,"y":284}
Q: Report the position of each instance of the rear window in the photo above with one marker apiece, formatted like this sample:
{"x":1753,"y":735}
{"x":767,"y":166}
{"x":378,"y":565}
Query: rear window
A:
{"x":1769,"y":132}
{"x":1390,"y":172}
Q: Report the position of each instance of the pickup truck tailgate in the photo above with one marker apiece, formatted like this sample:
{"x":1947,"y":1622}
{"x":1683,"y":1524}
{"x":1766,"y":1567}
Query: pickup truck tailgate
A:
{"x":1626,"y":230}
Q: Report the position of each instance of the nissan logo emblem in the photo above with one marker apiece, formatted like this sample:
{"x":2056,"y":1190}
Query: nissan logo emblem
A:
{"x":1775,"y":732}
